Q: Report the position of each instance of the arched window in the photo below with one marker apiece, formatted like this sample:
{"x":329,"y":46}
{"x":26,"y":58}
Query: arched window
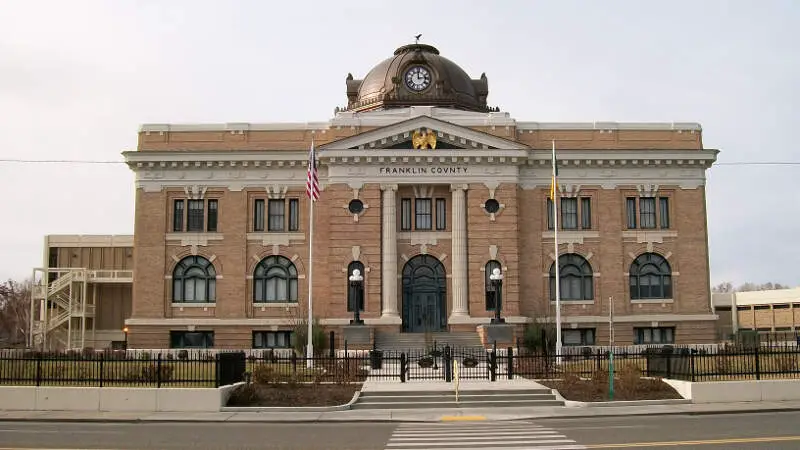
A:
{"x":351,"y":298}
{"x":275,"y":281}
{"x":577,"y":279}
{"x":650,"y":277}
{"x":490,"y":266}
{"x":194,"y":280}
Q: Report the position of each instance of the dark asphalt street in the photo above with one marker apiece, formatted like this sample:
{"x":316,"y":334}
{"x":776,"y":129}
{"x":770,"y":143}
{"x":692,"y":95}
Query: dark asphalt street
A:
{"x":729,"y":432}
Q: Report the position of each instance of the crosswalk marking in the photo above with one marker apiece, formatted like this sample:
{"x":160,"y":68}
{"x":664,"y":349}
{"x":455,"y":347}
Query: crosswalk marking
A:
{"x":482,"y":435}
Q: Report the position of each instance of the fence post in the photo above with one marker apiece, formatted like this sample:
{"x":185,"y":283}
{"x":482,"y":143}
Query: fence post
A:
{"x":669,"y":365}
{"x":691,"y":363}
{"x":101,"y":370}
{"x":493,"y":362}
{"x":332,"y":344}
{"x":510,"y":363}
{"x":216,"y":370}
{"x":758,"y":360}
{"x":294,"y":363}
{"x":158,"y":371}
{"x":39,"y":369}
{"x":403,"y":367}
{"x":448,"y":365}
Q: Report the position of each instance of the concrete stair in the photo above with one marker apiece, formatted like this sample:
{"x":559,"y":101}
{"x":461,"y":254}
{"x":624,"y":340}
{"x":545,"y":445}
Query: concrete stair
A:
{"x":466,"y":399}
{"x":403,"y":342}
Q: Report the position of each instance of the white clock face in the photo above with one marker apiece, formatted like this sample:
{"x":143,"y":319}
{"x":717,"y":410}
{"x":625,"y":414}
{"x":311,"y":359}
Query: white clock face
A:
{"x":418,"y":78}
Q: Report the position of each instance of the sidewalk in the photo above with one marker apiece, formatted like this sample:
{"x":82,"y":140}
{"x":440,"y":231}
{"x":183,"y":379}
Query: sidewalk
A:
{"x":415,"y":415}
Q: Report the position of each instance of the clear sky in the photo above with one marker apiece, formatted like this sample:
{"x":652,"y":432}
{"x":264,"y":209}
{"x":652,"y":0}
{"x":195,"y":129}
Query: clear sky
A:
{"x":78,"y":77}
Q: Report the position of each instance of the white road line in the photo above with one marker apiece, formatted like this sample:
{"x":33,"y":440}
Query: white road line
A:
{"x":482,"y":435}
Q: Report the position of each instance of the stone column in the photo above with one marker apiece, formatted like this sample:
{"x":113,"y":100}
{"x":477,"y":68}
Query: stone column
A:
{"x":389,"y":251}
{"x":459,"y":241}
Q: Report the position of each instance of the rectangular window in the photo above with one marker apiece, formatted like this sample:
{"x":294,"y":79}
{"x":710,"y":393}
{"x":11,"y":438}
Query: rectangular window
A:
{"x":405,"y":214}
{"x":578,"y":336}
{"x":569,"y":213}
{"x":549,"y":214}
{"x":177,"y":216}
{"x":647,"y":212}
{"x":441,"y":214}
{"x":663,"y":204}
{"x":586,"y":213}
{"x":277,"y":215}
{"x":195,"y":216}
{"x":213,"y":212}
{"x":423,"y":214}
{"x":630,"y":207}
{"x":191,"y":339}
{"x":258,"y":215}
{"x":272,"y":339}
{"x":294,"y":214}
{"x":654,"y":335}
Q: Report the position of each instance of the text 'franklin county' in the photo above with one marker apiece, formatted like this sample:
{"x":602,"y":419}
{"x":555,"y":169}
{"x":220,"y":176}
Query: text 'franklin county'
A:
{"x":432,"y":170}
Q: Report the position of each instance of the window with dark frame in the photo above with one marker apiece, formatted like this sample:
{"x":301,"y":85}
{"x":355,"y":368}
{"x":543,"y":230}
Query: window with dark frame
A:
{"x":275,"y":281}
{"x":663,"y":203}
{"x":272,"y":339}
{"x":653,"y":335}
{"x":423,"y":214}
{"x":195,"y":215}
{"x":405,"y":214}
{"x":177,"y":216}
{"x":577,"y":278}
{"x":258,"y":215}
{"x":550,"y":214}
{"x":650,"y":277}
{"x":578,"y":336}
{"x":647,"y":213}
{"x":276,"y":215}
{"x":191,"y":339}
{"x":441,"y":214}
{"x":213,"y":214}
{"x":586,"y":213}
{"x":294,"y":214}
{"x":569,"y":214}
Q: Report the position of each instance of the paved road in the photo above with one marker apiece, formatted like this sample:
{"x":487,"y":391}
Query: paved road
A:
{"x":729,"y":432}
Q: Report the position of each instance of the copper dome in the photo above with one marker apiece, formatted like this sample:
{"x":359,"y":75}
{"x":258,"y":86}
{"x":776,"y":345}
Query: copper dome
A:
{"x":441,"y":82}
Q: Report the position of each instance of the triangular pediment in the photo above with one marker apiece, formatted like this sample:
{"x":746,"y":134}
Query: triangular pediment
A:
{"x":399,"y":136}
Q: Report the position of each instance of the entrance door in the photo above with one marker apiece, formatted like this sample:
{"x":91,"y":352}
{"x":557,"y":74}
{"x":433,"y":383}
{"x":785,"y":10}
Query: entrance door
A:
{"x":424,"y":295}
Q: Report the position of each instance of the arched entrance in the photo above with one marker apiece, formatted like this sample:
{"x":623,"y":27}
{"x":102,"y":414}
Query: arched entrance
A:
{"x":424,"y":295}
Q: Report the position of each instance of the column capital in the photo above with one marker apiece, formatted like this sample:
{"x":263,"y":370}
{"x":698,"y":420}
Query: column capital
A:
{"x":388,"y":187}
{"x":458,"y":187}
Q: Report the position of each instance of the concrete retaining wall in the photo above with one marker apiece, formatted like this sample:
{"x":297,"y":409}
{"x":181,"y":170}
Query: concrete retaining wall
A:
{"x":29,"y":398}
{"x":737,"y":391}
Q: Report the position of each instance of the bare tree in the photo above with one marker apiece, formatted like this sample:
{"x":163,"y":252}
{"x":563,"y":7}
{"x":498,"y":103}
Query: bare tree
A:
{"x":723,"y":288}
{"x":15,"y":303}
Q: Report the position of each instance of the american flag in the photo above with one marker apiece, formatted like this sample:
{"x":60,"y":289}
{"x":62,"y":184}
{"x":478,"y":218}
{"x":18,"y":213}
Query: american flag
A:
{"x":312,"y":179}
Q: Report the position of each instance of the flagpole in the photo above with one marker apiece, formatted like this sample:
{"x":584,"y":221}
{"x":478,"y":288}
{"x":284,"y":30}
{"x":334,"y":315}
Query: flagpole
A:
{"x":557,"y":263}
{"x":310,"y":343}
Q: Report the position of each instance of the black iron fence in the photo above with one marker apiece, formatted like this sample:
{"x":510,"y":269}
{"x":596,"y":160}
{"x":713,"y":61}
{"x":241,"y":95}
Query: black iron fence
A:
{"x":204,"y":369}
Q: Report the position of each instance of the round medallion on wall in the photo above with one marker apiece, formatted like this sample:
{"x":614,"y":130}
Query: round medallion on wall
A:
{"x":355,"y":206}
{"x":417,"y":78}
{"x":491,"y":206}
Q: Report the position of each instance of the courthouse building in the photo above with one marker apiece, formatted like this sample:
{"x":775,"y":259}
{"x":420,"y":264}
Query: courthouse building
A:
{"x":425,"y":188}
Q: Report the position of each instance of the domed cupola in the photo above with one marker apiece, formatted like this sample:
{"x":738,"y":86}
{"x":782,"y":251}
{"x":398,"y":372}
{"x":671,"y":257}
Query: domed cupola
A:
{"x":417,"y":75}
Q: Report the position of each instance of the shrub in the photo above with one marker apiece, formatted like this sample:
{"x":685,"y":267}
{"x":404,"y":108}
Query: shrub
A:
{"x":150,"y":373}
{"x":265,"y":374}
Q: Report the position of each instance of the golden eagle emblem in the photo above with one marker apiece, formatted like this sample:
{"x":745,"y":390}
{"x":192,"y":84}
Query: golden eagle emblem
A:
{"x":424,"y":139}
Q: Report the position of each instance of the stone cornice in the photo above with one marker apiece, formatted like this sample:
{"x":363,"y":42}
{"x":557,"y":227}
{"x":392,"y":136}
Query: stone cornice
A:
{"x":276,"y":159}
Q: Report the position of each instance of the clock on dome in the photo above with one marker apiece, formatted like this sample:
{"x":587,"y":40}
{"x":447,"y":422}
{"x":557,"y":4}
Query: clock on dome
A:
{"x":418,"y":78}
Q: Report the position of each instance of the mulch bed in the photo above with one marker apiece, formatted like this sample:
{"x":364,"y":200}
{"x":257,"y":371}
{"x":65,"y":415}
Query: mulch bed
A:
{"x":293,"y":395}
{"x":596,"y":390}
